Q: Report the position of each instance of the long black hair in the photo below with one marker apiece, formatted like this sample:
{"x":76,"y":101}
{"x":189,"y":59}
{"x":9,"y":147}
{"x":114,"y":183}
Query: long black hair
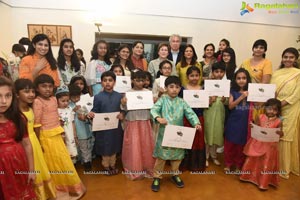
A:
{"x":14,"y":113}
{"x":49,"y":56}
{"x":230,"y":68}
{"x":194,"y":58}
{"x":81,"y":53}
{"x":235,"y":86}
{"x":61,"y":60}
{"x":94,"y":52}
{"x":128,"y":63}
{"x":79,"y":77}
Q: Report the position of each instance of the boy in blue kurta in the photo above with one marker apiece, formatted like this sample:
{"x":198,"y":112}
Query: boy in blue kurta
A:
{"x":108,"y":142}
{"x":170,"y":109}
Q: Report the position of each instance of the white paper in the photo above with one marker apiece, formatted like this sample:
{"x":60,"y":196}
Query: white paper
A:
{"x":219,"y":88}
{"x":139,"y":100}
{"x":105,"y":121}
{"x":162,"y":80}
{"x":86,"y":102}
{"x":264,"y":134}
{"x":178,"y":137}
{"x":123,"y":84}
{"x":260,"y":92}
{"x":196,"y":98}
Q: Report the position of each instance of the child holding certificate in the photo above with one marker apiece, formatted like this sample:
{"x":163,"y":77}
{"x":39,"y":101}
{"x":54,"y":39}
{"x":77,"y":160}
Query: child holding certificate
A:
{"x":108,"y":142}
{"x":170,"y":109}
{"x":262,"y":160}
{"x":165,"y":68}
{"x":214,"y":118}
{"x":194,"y":159}
{"x":138,"y":143}
{"x":237,"y":123}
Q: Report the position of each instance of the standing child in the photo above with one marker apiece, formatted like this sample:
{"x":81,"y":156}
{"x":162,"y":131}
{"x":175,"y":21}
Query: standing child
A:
{"x":108,"y":142}
{"x":262,"y":157}
{"x":48,"y":129}
{"x":214,"y":118}
{"x":148,"y":81}
{"x":170,"y":109}
{"x":195,"y":158}
{"x":82,"y":127}
{"x":15,"y":148}
{"x":165,"y":68}
{"x":138,"y":143}
{"x":44,"y":187}
{"x":66,"y":116}
{"x":117,"y":69}
{"x":99,"y":63}
{"x":237,"y":123}
{"x":223,"y":44}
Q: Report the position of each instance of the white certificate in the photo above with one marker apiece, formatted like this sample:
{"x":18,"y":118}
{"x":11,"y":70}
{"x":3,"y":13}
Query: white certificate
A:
{"x":139,"y":100}
{"x":219,"y":88}
{"x":86,"y":102}
{"x":105,"y":121}
{"x":264,"y":134}
{"x":178,"y":137}
{"x":261,"y":92}
{"x":123,"y":84}
{"x":196,"y":98}
{"x":162,"y":80}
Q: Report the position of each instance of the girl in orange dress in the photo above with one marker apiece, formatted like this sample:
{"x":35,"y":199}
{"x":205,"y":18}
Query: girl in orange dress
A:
{"x":262,"y":165}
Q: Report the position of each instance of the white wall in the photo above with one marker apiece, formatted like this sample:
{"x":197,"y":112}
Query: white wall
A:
{"x":6,"y":38}
{"x":241,"y":35}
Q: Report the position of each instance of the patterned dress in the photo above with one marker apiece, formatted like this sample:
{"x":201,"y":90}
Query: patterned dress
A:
{"x":93,"y":74}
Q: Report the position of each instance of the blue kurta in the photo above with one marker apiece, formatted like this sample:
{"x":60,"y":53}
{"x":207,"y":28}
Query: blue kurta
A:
{"x":237,"y":124}
{"x":108,"y":142}
{"x":173,"y":110}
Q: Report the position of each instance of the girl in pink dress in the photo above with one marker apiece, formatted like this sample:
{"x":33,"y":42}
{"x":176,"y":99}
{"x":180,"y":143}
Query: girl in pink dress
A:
{"x":262,"y":165}
{"x":138,"y":142}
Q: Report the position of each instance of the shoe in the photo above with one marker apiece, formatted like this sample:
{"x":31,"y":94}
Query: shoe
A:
{"x":107,"y":171}
{"x":226,"y":169}
{"x":220,"y":149}
{"x":206,"y":163}
{"x":178,"y":182}
{"x":114,"y":171}
{"x":87,"y":166}
{"x":155,"y":185}
{"x":216,"y":162}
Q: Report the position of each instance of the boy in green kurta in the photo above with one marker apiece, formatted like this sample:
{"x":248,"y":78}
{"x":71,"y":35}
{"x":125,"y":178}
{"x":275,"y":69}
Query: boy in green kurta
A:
{"x":170,"y":109}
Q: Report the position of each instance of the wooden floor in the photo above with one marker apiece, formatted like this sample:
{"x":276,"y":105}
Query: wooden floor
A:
{"x":216,"y":185}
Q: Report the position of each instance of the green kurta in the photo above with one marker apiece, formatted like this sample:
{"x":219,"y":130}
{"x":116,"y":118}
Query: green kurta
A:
{"x":214,"y":123}
{"x":173,"y":110}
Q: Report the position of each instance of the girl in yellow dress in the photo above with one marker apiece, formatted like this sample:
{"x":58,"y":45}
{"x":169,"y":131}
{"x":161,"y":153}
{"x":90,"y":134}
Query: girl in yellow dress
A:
{"x":44,"y":187}
{"x":48,"y":129}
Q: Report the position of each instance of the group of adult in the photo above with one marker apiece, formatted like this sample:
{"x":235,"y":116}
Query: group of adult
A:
{"x":40,"y":60}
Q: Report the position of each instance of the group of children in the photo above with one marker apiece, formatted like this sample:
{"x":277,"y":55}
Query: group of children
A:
{"x":60,"y":131}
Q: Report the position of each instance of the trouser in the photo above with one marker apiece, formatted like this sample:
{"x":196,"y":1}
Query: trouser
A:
{"x":211,"y":150}
{"x":159,"y":167}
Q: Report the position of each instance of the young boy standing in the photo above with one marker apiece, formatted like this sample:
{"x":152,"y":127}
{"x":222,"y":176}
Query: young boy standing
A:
{"x":170,"y":109}
{"x":108,"y":142}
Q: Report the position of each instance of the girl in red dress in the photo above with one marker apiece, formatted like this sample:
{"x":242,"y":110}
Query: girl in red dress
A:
{"x":16,"y":160}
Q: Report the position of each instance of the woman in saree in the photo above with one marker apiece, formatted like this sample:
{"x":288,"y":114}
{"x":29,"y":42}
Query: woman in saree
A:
{"x":287,"y":80}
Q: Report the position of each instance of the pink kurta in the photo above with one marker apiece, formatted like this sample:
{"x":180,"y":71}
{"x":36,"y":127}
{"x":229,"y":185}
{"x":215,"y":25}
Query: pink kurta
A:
{"x":262,"y":158}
